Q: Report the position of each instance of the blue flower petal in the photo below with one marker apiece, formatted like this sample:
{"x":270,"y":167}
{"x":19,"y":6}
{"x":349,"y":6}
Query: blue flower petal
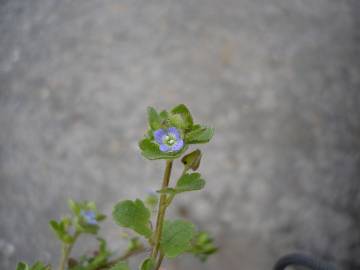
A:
{"x":174,"y":132}
{"x":178,"y":145}
{"x":90,"y":217}
{"x":159,"y":135}
{"x":164,"y":148}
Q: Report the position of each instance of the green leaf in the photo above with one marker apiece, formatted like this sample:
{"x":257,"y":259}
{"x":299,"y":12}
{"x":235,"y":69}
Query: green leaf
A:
{"x":151,"y":201}
{"x":147,"y":264}
{"x":89,"y":205}
{"x":203,"y":246}
{"x":60,"y":230}
{"x":134,"y":215}
{"x":153,"y":118}
{"x":120,"y":266}
{"x":189,"y":182}
{"x":83,"y":227}
{"x":39,"y":266}
{"x":180,"y":117}
{"x":150,"y":150}
{"x":199,"y":135}
{"x":102,"y":245}
{"x":98,"y":261}
{"x":22,"y":266}
{"x":74,"y":207}
{"x":100,"y":217}
{"x":134,"y":244}
{"x":176,"y":237}
{"x":192,"y":160}
{"x":164,"y":115}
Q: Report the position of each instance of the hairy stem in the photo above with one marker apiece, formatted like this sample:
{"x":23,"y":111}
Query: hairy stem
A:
{"x":162,"y":209}
{"x":65,"y":252}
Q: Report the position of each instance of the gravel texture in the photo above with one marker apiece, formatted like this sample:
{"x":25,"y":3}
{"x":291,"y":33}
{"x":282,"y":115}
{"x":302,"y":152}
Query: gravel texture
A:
{"x":278,"y":79}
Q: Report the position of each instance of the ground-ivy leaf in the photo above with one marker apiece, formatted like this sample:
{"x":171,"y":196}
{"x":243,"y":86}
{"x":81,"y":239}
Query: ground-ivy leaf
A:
{"x":134,"y":215}
{"x":199,"y":135}
{"x":147,"y":264}
{"x":120,"y":266}
{"x":176,"y":237}
{"x":151,"y":150}
{"x":189,"y":182}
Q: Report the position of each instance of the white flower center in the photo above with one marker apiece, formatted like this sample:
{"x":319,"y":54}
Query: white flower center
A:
{"x":169,"y":140}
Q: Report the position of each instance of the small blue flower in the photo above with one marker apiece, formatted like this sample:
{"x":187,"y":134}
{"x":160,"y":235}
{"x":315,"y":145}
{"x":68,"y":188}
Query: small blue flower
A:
{"x":90,"y":217}
{"x":168,"y":139}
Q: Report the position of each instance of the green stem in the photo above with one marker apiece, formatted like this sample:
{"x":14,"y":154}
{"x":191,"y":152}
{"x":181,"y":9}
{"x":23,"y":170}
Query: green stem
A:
{"x":172,"y":196}
{"x":159,"y":261}
{"x":65,"y":252}
{"x":123,"y":257}
{"x":162,"y":209}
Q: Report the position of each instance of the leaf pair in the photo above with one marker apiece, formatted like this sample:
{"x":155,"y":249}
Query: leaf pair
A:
{"x":61,"y":230}
{"x":176,"y":234}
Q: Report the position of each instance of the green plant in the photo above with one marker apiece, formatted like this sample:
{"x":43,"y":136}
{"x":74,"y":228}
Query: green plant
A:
{"x":169,"y":135}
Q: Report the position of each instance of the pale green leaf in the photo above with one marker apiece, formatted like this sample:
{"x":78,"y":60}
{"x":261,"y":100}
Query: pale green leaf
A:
{"x":199,"y":135}
{"x":74,"y":207}
{"x":189,"y":182}
{"x":134,"y":215}
{"x":180,"y":117}
{"x":203,"y":246}
{"x":176,"y":237}
{"x":153,"y":118}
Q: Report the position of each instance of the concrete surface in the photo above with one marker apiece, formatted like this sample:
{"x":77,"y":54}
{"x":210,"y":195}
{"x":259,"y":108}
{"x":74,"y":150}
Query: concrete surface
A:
{"x":278,"y":79}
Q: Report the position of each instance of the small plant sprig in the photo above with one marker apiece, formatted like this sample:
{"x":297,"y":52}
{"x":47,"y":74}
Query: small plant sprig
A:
{"x":169,"y":135}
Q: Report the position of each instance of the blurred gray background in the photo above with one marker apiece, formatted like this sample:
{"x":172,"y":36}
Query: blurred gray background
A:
{"x":278,"y":79}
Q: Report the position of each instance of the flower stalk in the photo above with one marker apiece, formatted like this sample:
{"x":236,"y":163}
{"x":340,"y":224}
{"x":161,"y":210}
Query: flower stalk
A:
{"x":162,"y":210}
{"x":65,"y":252}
